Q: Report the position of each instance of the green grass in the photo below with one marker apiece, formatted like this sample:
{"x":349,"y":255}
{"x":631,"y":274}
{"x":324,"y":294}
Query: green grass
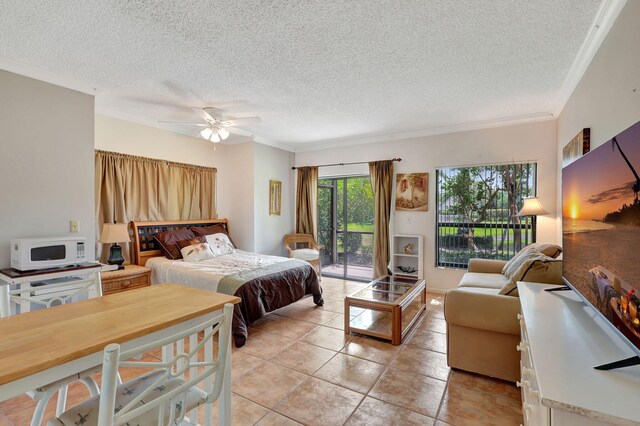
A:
{"x":360,"y":227}
{"x":478,"y":232}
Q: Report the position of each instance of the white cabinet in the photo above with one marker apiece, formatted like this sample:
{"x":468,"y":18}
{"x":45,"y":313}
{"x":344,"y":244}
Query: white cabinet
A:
{"x":562,"y":340}
{"x":407,"y":255}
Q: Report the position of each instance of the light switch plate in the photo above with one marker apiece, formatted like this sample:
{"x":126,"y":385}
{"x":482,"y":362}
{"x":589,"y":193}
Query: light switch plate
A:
{"x":74,"y":225}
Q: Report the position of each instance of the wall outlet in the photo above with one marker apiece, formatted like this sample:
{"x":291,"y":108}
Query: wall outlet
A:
{"x":74,"y":225}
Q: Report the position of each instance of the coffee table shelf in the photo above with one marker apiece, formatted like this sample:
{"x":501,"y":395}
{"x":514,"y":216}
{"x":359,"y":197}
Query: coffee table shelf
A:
{"x":386,"y":308}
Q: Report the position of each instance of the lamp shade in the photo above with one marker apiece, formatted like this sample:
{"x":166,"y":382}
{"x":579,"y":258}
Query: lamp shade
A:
{"x":532,"y":207}
{"x":114,"y":233}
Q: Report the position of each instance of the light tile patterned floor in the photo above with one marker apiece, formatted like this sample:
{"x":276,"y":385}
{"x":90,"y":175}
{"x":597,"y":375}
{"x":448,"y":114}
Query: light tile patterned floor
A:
{"x":298,"y":367}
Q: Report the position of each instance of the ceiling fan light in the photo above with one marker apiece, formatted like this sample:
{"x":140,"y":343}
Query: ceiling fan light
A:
{"x":214,"y":137}
{"x":206,"y":133}
{"x":224,"y":133}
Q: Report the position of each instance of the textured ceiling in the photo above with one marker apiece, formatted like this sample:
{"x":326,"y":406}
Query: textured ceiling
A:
{"x":313,"y":70}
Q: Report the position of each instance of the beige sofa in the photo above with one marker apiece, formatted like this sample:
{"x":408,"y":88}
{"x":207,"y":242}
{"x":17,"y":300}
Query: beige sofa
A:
{"x":482,"y":325}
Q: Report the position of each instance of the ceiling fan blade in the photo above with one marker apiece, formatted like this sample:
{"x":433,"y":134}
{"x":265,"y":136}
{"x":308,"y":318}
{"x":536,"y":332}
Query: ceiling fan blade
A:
{"x":203,"y":113}
{"x":215,"y":113}
{"x":238,"y":131}
{"x":185,"y":123}
{"x":242,"y":120}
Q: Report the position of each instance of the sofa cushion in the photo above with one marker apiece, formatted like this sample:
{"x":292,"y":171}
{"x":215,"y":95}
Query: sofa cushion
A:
{"x":483,"y":280}
{"x":482,"y":308}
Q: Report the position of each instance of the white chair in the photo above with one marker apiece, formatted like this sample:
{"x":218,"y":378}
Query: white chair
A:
{"x":54,"y":292}
{"x":304,"y":247}
{"x":165,"y":395}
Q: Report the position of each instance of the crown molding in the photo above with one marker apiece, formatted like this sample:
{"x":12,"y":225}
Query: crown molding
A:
{"x":604,"y":20}
{"x":440,"y":130}
{"x":38,"y":74}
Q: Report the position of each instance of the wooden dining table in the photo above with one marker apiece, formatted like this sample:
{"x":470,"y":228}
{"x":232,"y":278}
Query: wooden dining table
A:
{"x":38,"y":348}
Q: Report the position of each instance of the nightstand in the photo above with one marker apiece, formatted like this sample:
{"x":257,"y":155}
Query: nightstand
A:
{"x":132,"y":276}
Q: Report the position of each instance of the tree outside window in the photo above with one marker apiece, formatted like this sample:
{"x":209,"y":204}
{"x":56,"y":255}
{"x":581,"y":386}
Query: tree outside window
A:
{"x":476,"y":209}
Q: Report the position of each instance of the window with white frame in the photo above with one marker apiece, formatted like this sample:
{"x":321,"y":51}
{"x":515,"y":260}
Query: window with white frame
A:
{"x":475,"y":212}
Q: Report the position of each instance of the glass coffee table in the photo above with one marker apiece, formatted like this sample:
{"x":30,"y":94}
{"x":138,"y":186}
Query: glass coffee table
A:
{"x":386,"y":308}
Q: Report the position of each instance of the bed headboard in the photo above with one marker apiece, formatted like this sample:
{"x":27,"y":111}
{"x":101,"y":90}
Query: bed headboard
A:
{"x":144,"y":246}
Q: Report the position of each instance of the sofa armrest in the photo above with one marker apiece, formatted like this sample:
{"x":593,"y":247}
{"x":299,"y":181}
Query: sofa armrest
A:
{"x":482,"y":309}
{"x":486,"y":266}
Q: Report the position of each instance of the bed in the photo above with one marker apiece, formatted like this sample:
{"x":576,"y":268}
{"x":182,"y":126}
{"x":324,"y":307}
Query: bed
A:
{"x":264,"y":283}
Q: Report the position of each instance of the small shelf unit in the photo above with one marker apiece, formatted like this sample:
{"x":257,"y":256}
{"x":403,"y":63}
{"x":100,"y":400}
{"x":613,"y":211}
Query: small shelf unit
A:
{"x":400,"y":259}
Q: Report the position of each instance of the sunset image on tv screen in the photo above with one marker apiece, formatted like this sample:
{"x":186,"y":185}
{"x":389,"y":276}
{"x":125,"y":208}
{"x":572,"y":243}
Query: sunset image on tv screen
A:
{"x":601,"y":229}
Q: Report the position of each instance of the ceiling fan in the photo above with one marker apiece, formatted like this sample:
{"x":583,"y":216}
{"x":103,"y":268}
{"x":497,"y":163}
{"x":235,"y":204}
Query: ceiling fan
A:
{"x":217,"y":127}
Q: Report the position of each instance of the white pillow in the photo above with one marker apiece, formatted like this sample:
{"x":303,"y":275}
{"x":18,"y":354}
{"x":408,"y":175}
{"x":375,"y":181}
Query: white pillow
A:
{"x":220,"y":244}
{"x":197,"y":252}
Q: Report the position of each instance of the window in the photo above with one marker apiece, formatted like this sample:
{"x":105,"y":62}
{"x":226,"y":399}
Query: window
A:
{"x":475,"y":212}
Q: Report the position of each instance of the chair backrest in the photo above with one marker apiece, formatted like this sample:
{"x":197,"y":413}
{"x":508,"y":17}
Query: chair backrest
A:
{"x":170,"y":391}
{"x":296,"y":241}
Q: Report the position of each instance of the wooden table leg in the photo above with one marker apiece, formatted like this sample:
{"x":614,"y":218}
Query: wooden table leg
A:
{"x":396,"y":325}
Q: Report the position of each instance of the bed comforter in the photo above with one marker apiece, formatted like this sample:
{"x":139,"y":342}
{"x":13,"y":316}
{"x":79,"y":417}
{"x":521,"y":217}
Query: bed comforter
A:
{"x":264,"y":283}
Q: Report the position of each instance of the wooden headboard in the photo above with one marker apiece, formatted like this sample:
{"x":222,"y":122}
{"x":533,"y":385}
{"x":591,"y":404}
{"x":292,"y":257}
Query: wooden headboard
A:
{"x":144,"y":246}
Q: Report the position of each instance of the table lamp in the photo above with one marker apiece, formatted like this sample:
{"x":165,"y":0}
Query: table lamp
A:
{"x":115,"y":233}
{"x":532,"y":207}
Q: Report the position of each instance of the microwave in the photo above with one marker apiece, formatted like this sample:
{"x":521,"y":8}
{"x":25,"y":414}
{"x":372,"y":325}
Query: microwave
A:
{"x":28,"y":254}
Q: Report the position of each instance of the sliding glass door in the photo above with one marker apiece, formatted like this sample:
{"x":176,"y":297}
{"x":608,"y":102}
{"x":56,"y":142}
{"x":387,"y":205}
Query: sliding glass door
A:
{"x":345,"y":226}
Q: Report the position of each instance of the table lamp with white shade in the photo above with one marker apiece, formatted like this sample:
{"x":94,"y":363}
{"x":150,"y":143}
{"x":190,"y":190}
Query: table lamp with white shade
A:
{"x":114,"y":233}
{"x":532,"y":207}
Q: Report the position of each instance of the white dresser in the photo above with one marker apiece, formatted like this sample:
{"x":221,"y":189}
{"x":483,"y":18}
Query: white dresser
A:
{"x":562,"y":340}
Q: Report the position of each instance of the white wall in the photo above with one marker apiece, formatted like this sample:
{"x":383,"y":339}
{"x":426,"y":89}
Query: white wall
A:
{"x":46,"y":161}
{"x":272,"y":163}
{"x":607,"y":99}
{"x":520,"y":143}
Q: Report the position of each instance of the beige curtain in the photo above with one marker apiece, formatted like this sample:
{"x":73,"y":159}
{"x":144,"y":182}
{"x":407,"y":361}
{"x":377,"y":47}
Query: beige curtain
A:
{"x":143,"y":189}
{"x":307,"y":201}
{"x":382,"y":181}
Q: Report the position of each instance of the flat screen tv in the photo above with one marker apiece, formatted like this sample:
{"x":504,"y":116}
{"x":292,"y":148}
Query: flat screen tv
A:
{"x":601,"y":233}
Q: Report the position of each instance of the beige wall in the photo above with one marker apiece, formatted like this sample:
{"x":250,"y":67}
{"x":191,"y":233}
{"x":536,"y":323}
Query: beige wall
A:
{"x":607,"y":99}
{"x":272,"y":163}
{"x":526,"y":142}
{"x":46,"y":161}
{"x":243,"y":176}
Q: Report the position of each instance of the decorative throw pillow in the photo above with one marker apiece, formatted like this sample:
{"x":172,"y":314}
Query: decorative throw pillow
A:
{"x":551,"y":250}
{"x":220,"y":244}
{"x":213,"y":229}
{"x":167,"y":242}
{"x":186,"y":243}
{"x":532,"y":258}
{"x":197,"y":252}
{"x":514,"y":263}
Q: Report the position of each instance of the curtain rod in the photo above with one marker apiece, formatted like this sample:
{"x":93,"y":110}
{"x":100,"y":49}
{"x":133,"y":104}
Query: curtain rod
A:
{"x":348,"y":164}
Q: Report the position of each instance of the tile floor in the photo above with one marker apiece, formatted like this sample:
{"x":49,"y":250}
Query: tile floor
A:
{"x":298,"y":367}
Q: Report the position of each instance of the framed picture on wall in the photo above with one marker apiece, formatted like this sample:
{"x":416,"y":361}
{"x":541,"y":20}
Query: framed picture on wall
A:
{"x":275,"y":197}
{"x":412,"y":191}
{"x":577,"y":147}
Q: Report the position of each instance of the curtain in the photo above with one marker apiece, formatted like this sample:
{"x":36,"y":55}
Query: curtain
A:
{"x":143,"y":189}
{"x":382,"y":182}
{"x":307,"y":201}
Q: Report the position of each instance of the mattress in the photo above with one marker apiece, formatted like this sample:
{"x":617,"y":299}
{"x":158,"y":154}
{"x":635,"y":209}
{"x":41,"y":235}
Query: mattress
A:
{"x":206,"y":274}
{"x":263,"y":283}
